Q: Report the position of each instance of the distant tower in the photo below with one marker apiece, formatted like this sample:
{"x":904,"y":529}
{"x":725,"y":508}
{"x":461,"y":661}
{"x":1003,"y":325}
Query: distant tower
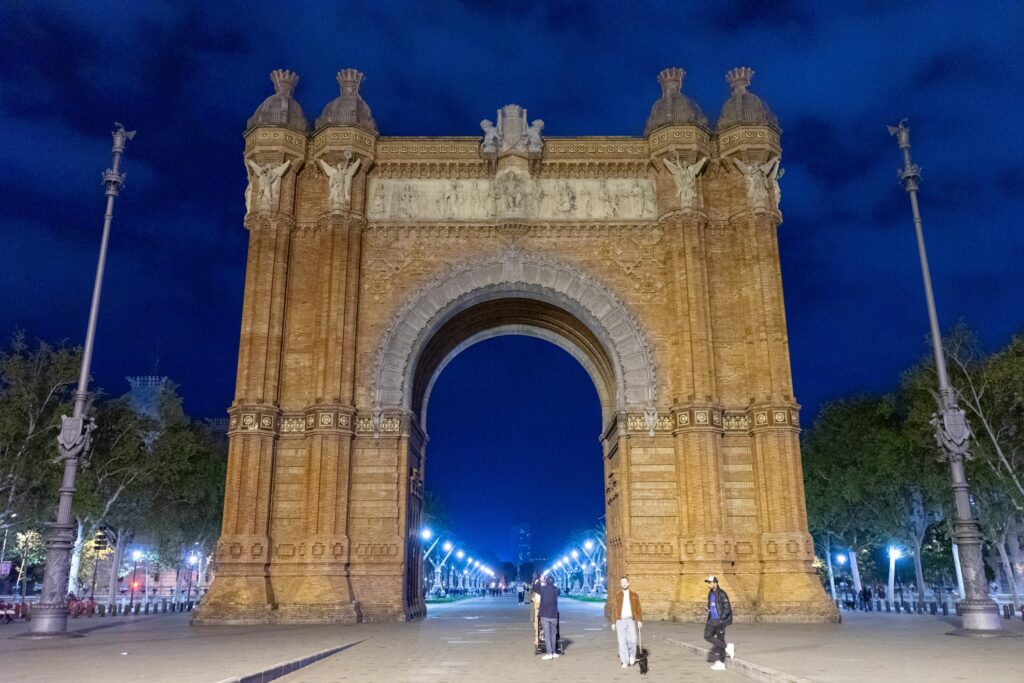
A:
{"x":145,"y":394}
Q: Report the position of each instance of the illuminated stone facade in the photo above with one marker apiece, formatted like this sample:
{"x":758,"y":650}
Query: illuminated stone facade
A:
{"x":374,"y":260}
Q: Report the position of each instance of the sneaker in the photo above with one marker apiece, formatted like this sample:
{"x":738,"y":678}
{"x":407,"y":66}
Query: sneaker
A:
{"x":718,"y":666}
{"x":632,"y":661}
{"x":730,"y":649}
{"x":556,"y":655}
{"x":625,"y":666}
{"x":547,"y":656}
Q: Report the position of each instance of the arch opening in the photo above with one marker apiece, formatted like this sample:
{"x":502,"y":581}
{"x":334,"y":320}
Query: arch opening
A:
{"x":510,"y":402}
{"x":512,"y":316}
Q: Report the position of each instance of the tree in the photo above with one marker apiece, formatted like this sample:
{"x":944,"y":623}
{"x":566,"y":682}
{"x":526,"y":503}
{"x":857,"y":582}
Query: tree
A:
{"x":35,"y":388}
{"x":187,"y":487}
{"x":31,"y":549}
{"x":435,"y":512}
{"x":839,"y":451}
{"x":116,"y":482}
{"x":989,"y":389}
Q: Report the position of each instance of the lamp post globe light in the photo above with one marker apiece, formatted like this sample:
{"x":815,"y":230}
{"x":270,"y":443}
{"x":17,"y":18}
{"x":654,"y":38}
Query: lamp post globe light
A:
{"x":50,"y":617}
{"x":980,"y":612}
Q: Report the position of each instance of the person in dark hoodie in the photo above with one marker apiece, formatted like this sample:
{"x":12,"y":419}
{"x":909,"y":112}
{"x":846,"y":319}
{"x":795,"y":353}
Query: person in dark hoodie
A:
{"x":548,"y":612}
{"x":719,"y":616}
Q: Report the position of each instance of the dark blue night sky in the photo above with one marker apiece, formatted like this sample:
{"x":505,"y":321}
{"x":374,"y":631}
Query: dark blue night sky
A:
{"x":187,"y":75}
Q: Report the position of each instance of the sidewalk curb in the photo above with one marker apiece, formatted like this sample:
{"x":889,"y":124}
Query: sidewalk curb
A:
{"x":275,"y":671}
{"x":754,"y":672}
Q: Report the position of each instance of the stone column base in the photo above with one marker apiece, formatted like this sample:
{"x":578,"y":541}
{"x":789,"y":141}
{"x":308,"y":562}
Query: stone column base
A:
{"x":327,"y":613}
{"x":691,"y":600}
{"x":235,"y":600}
{"x":312,"y":594}
{"x":795,"y":598}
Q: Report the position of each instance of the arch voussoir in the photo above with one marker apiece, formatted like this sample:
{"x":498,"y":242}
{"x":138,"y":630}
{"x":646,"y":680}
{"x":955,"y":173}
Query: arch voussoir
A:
{"x":516,"y":275}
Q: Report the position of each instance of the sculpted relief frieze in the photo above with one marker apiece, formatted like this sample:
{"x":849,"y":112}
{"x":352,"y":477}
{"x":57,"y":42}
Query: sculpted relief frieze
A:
{"x":511,"y":194}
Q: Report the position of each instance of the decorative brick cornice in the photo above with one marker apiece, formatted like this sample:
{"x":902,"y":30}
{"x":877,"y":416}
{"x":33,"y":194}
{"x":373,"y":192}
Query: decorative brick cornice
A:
{"x":275,"y":139}
{"x":269,"y":220}
{"x":253,"y":418}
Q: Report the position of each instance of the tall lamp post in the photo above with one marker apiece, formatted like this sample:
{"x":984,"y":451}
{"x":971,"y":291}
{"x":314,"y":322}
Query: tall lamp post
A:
{"x":192,"y":560}
{"x":50,"y":618}
{"x":136,"y":556}
{"x":979,"y":612}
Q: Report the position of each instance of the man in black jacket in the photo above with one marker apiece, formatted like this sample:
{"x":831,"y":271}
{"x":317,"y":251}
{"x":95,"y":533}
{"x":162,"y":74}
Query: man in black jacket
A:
{"x":719,"y":616}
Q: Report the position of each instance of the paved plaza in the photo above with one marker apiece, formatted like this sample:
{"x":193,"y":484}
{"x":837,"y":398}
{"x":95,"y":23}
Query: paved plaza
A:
{"x":489,"y":639}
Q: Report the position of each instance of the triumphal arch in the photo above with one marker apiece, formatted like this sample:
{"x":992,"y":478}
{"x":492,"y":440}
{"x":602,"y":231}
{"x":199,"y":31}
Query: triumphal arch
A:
{"x":373,"y":260}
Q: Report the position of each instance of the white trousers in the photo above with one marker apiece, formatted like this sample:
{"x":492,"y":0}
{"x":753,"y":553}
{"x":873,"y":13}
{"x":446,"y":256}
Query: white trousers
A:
{"x":625,"y":630}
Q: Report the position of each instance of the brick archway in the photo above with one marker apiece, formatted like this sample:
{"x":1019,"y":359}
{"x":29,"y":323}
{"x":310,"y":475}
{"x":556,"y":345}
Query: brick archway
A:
{"x":653,"y":259}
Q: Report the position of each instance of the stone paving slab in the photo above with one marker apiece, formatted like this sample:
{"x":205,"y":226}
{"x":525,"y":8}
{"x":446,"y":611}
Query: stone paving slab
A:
{"x":868,"y":647}
{"x":490,"y":639}
{"x":158,"y":648}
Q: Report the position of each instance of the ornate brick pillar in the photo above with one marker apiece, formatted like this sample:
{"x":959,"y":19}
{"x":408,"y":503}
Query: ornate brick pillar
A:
{"x":310,"y":574}
{"x":789,"y":589}
{"x":241,"y":592}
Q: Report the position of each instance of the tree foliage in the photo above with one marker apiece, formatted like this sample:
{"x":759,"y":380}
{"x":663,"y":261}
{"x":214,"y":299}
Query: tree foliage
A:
{"x":875,"y":475}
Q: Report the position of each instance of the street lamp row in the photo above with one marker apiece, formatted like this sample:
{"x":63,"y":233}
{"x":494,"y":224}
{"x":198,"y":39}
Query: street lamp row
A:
{"x":471,"y":570}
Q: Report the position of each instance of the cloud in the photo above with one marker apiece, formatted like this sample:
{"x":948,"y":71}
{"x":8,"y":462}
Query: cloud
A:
{"x":188,"y":75}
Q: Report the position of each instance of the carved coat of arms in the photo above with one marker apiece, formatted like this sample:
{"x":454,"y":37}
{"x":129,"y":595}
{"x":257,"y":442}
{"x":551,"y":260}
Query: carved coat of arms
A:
{"x":512,"y":134}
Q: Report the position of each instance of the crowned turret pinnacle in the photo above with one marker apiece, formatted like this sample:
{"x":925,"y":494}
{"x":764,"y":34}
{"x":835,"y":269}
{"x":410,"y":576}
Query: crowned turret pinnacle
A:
{"x":671,"y":80}
{"x":284,"y":81}
{"x":673,"y":106}
{"x":350,"y":80}
{"x":281,"y":109}
{"x":739,"y":79}
{"x":349,"y":108}
{"x":743,"y":106}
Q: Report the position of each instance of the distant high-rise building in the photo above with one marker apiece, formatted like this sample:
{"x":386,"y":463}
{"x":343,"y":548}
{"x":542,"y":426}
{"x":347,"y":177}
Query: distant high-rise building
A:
{"x":521,"y":546}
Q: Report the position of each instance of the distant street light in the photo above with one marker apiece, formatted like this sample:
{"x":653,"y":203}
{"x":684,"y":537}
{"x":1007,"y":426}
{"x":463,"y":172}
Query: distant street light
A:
{"x":50,"y":617}
{"x":136,"y":556}
{"x":841,"y":558}
{"x":953,"y":434}
{"x":894,"y":554}
{"x":426,"y":534}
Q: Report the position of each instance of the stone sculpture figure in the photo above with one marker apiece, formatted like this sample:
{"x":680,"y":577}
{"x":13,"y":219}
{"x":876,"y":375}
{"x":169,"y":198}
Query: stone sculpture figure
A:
{"x":379,"y":202}
{"x":339,"y":181}
{"x":492,"y":137}
{"x":268,"y":184}
{"x":685,"y":177}
{"x":586,"y":202}
{"x":636,"y":194}
{"x":567,"y":202}
{"x":777,"y":173}
{"x":534,"y":143}
{"x":406,"y":199}
{"x":610,"y":200}
{"x":756,"y":177}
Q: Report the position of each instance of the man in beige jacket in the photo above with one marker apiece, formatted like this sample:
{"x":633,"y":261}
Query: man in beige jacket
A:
{"x":627,"y":618}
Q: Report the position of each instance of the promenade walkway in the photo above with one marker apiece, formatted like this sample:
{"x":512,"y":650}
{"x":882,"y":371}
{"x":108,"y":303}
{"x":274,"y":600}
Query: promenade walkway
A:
{"x":490,"y":639}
